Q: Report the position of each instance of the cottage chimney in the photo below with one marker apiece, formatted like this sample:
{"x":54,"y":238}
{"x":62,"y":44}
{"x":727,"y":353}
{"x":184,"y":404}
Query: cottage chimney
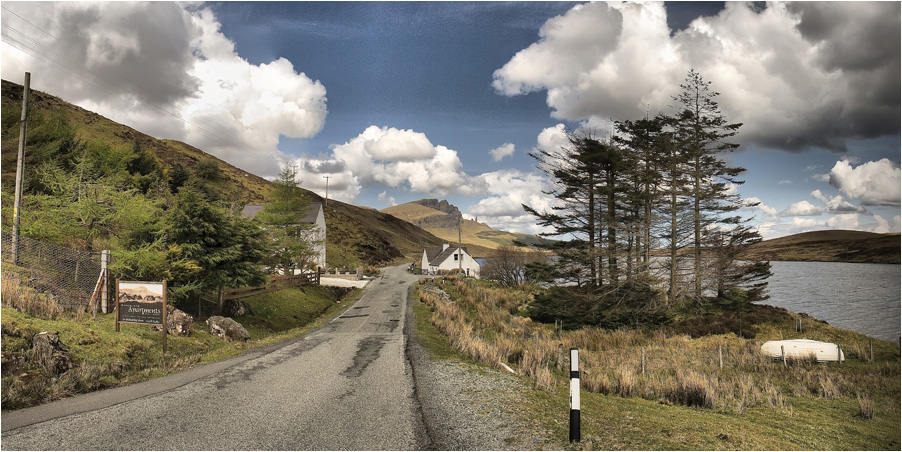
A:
{"x":445,"y":246}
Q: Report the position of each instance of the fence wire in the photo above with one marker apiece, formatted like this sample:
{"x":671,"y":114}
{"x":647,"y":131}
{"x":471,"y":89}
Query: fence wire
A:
{"x":70,"y":276}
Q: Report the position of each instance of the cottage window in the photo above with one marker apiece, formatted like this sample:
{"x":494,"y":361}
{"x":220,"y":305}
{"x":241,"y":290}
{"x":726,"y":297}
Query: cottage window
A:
{"x":455,"y":258}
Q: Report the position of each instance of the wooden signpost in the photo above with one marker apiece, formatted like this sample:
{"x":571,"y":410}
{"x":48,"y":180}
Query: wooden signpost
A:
{"x":142,"y":303}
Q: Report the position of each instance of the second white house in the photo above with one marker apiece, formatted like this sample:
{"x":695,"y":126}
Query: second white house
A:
{"x":444,"y":259}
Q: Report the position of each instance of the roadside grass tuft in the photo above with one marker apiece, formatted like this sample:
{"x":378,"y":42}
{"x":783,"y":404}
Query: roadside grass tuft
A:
{"x":865,"y":407}
{"x":25,"y":299}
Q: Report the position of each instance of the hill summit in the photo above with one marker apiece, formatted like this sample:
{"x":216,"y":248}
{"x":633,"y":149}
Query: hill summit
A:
{"x":445,"y":215}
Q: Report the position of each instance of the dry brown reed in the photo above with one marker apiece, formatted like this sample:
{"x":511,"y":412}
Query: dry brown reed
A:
{"x":865,"y":407}
{"x":479,"y":323}
{"x":25,"y":299}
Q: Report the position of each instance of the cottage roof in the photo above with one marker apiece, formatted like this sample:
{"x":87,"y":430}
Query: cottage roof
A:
{"x":251,"y":211}
{"x":444,"y":255}
{"x":432,"y":252}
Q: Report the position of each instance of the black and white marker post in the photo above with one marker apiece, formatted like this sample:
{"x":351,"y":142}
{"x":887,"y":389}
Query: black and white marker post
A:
{"x":574,"y":395}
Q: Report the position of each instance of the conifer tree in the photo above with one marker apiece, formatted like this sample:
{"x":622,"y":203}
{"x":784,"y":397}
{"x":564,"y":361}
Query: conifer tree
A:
{"x":282,"y":217}
{"x":701,"y":130}
{"x":640,"y":140}
{"x":226,"y":249}
{"x":576,"y":170}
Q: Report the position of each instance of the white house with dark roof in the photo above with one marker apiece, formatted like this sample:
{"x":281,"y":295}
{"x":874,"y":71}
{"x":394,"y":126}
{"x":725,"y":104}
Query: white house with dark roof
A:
{"x":444,"y":259}
{"x":314,"y":216}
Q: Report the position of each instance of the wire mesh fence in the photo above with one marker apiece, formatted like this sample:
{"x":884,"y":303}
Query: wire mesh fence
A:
{"x":69,"y":276}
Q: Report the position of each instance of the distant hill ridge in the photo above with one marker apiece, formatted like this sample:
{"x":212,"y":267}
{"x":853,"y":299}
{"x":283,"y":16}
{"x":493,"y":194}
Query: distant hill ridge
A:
{"x":831,"y":246}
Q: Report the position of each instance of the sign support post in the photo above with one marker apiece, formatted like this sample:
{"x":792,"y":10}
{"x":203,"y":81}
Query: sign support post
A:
{"x":117,"y":306}
{"x":165,"y":311}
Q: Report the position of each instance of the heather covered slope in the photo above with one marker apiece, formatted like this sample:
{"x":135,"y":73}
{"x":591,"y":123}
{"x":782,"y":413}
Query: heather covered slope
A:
{"x":356,"y":235}
{"x":831,"y":246}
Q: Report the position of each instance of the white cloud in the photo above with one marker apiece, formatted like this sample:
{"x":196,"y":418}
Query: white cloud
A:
{"x":832,"y":204}
{"x":166,"y":69}
{"x":784,"y":182}
{"x":731,"y":189}
{"x":874,"y":183}
{"x":342,"y":184}
{"x":756,"y":203}
{"x":802,"y":208}
{"x":510,"y":190}
{"x":884,"y":226}
{"x":502,"y":151}
{"x":552,"y":139}
{"x":879,"y":224}
{"x":393,"y":158}
{"x":844,"y":221}
{"x":836,"y":204}
{"x":391,"y":144}
{"x":389,"y":200}
{"x":796,"y":75}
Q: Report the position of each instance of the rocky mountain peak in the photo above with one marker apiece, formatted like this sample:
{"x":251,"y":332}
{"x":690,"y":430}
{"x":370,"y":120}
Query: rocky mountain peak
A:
{"x":451,"y":218}
{"x":441,"y":206}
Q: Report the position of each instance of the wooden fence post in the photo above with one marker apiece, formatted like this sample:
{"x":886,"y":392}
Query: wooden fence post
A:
{"x":643,"y":360}
{"x":560,"y":356}
{"x":104,"y":295}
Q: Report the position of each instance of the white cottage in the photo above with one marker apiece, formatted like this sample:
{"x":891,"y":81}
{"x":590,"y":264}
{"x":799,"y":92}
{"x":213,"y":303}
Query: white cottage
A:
{"x":314,"y":216}
{"x":444,"y":259}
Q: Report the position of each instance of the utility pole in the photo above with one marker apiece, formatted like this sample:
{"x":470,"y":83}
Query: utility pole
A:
{"x":326,"y":201}
{"x":460,"y":250}
{"x":20,"y":168}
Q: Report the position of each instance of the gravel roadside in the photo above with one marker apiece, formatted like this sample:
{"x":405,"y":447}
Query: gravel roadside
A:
{"x":469,"y":407}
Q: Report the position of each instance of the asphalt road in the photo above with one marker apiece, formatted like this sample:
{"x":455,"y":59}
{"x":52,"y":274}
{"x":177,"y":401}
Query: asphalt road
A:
{"x":346,"y":386}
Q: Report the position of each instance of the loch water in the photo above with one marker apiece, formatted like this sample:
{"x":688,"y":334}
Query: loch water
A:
{"x":859,"y":297}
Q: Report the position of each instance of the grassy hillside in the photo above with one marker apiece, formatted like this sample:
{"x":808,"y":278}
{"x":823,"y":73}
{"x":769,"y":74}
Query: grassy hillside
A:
{"x":92,"y":127}
{"x":831,"y":246}
{"x":479,"y":237}
{"x":412,"y":212}
{"x":355,"y":235}
{"x":371,"y":236}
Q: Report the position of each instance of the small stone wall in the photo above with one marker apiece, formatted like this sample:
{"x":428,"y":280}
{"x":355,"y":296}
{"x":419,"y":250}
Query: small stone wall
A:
{"x":350,"y":275}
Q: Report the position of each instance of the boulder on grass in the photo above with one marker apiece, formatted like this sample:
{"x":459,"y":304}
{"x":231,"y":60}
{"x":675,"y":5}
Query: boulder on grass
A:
{"x":235,"y":308}
{"x":227,"y":329}
{"x":50,"y":353}
{"x":178,"y":322}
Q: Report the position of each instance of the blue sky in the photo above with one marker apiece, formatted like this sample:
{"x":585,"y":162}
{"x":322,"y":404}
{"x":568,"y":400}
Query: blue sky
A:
{"x":401,"y":101}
